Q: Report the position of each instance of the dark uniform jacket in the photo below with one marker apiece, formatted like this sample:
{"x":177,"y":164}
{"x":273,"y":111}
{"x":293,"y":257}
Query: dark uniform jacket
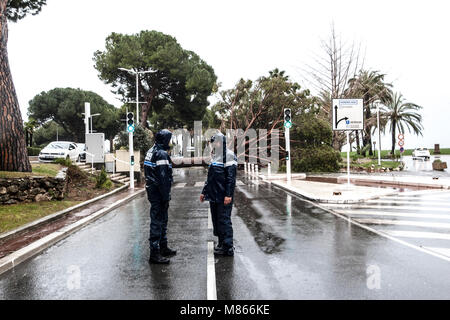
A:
{"x":221,"y":176}
{"x":158,"y":168}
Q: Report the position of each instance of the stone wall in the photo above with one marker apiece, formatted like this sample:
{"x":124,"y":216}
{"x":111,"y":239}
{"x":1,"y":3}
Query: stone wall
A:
{"x":31,"y":189}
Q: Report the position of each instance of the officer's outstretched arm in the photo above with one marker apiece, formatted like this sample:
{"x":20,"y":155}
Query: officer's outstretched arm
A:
{"x":230,"y":177}
{"x":163,"y":173}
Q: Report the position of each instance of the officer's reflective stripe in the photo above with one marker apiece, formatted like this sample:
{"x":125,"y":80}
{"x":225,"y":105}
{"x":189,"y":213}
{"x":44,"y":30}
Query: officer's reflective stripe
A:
{"x":217,"y":164}
{"x":150,"y":164}
{"x":231,"y":163}
{"x":162,"y":162}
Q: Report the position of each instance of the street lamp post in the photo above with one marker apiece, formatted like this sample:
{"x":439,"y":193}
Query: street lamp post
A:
{"x":137,"y":87}
{"x":379,"y":134}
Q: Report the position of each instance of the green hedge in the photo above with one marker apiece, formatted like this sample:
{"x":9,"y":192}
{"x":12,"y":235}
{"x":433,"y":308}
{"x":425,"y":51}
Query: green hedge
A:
{"x":32,"y":151}
{"x":321,"y":159}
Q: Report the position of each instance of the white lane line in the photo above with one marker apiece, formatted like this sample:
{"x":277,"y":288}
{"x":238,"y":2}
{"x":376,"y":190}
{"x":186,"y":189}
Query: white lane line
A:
{"x":383,"y":207}
{"x":424,"y":202}
{"x":199,"y":184}
{"x":429,"y":198}
{"x":394,"y":214}
{"x":443,"y":251}
{"x":240,"y":183}
{"x":437,"y":225}
{"x":210,"y":225}
{"x":419,"y":235}
{"x":211,"y":293}
{"x":180,"y":185}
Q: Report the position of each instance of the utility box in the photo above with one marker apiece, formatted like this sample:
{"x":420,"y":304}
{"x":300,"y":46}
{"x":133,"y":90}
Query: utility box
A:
{"x":109,"y":163}
{"x":95,"y":147}
{"x":123,"y":161}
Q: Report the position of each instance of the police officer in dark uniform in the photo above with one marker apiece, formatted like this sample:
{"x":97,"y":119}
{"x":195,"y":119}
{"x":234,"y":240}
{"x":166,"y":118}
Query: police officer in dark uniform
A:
{"x":219,"y":191}
{"x":158,"y":177}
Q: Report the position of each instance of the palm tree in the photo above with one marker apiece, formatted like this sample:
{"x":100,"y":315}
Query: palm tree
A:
{"x":371,"y":87}
{"x":400,"y":115}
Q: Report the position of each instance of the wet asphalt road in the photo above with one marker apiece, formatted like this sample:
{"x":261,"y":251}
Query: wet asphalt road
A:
{"x":286,"y":248}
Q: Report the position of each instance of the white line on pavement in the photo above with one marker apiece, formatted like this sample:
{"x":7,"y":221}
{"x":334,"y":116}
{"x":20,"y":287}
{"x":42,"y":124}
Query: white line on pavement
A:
{"x":406,"y":223}
{"x":419,"y":234}
{"x":383,"y":207}
{"x":443,"y":251}
{"x":425,"y":202}
{"x":180,"y":185}
{"x":199,"y":184}
{"x":211,"y":292}
{"x":240,"y":183}
{"x":210,"y":225}
{"x":395,"y":214}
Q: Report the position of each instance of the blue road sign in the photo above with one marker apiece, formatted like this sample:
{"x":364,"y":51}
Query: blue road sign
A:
{"x":402,"y":149}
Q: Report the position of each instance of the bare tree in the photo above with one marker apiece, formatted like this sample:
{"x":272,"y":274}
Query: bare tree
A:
{"x":333,"y":67}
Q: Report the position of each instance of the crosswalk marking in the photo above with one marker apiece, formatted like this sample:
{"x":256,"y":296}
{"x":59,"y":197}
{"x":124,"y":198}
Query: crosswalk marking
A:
{"x":199,"y":184}
{"x":418,"y":234}
{"x":394,"y":214}
{"x":406,"y":223}
{"x":240,"y":183}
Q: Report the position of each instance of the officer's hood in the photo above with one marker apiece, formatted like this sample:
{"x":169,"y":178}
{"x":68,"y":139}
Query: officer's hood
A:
{"x":162,"y":139}
{"x":221,"y":150}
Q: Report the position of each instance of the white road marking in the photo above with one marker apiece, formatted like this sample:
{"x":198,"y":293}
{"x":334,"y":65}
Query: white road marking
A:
{"x":437,"y":225}
{"x":425,"y":202}
{"x":383,"y":207}
{"x":211,"y":293}
{"x":240,"y":183}
{"x":419,"y":235}
{"x":443,"y":251}
{"x":180,"y":185}
{"x":210,"y":225}
{"x":395,"y":214}
{"x":199,"y":184}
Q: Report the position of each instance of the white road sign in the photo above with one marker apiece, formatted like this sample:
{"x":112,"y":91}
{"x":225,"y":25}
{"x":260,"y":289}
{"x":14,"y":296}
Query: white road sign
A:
{"x":348,"y":114}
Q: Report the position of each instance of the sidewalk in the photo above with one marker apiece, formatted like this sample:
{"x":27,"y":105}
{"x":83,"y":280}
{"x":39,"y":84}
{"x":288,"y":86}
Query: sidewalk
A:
{"x":399,"y":181}
{"x":323,"y":192}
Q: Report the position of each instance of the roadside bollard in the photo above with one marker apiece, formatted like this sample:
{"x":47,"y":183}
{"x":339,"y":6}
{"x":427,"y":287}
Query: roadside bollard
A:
{"x":256,"y":170}
{"x":268,"y":170}
{"x":245,"y":167}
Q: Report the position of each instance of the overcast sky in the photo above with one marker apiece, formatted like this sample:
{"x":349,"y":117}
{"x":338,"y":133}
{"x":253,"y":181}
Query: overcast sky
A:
{"x":407,"y":40}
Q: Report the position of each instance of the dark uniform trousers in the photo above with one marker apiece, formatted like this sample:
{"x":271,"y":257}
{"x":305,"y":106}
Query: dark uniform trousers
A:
{"x":159,"y":217}
{"x":221,"y":220}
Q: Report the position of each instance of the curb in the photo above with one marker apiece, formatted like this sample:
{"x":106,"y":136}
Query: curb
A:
{"x":21,"y":255}
{"x":6,"y":235}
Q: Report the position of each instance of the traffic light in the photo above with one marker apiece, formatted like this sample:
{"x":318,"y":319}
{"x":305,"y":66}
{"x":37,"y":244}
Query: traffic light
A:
{"x":132,"y":160}
{"x":287,"y":118}
{"x":130,"y":122}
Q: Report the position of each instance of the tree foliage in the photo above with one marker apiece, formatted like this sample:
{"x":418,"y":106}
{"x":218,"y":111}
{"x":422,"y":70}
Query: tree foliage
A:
{"x":178,"y":86}
{"x":18,"y":9}
{"x":65,"y":107}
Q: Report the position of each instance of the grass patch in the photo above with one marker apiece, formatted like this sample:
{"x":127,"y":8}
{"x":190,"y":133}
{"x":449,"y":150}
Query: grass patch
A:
{"x":38,"y":169}
{"x":386,"y":153}
{"x":16,"y":215}
{"x":369,"y":162}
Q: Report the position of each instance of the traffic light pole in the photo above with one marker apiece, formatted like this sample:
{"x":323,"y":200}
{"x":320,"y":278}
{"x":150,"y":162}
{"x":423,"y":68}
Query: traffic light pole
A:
{"x":288,"y":152}
{"x":131,"y":149}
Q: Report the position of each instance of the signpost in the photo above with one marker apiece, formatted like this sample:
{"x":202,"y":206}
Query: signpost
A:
{"x":348,"y":115}
{"x":401,"y":143}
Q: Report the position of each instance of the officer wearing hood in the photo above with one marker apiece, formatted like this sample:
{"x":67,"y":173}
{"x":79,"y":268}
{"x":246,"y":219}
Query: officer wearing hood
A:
{"x":158,"y":177}
{"x":219,"y":191}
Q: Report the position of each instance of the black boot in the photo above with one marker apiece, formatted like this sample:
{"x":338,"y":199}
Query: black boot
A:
{"x":157,"y":258}
{"x":167,"y":252}
{"x":228,"y":252}
{"x":218,"y":246}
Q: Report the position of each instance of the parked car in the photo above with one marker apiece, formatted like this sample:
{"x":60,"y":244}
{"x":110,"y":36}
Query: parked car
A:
{"x":421,"y":153}
{"x":59,"y":149}
{"x":81,"y":150}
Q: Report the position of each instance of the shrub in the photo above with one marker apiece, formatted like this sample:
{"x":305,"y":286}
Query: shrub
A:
{"x":63,"y":161}
{"x":33,"y":151}
{"x":74,"y":174}
{"x":102,"y":180}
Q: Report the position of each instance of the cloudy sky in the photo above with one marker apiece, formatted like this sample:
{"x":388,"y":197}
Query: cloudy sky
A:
{"x":407,"y":40}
